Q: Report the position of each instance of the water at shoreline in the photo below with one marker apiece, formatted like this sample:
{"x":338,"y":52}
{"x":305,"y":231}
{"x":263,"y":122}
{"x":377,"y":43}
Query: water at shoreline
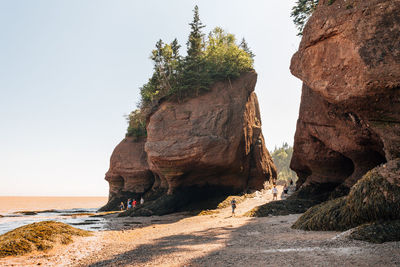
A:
{"x":62,"y":209}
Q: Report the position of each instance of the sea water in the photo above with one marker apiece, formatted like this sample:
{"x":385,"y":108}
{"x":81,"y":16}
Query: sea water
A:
{"x":61,"y":209}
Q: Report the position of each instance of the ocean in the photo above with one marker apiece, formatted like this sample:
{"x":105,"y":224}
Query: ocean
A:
{"x":63,"y":209}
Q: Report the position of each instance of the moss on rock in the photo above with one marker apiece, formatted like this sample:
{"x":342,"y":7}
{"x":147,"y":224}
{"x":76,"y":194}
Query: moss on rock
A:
{"x":37,"y":236}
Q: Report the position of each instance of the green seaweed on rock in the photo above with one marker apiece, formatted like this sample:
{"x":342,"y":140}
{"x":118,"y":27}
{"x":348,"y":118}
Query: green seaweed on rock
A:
{"x":375,"y":197}
{"x":281,"y":207}
{"x":378,"y":232}
{"x":37,"y":236}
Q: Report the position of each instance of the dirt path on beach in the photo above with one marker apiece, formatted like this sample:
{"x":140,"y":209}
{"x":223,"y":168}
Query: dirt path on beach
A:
{"x":214,"y":240}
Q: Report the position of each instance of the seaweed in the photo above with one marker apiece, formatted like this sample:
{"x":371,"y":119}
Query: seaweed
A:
{"x":281,"y":207}
{"x":378,"y":232}
{"x":37,"y":236}
{"x":375,"y":197}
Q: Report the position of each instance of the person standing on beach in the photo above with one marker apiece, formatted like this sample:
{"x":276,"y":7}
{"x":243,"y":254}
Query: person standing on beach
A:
{"x":122,"y":206}
{"x":129,"y":204}
{"x":274,"y":193}
{"x":133,"y":203}
{"x":285,"y":189}
{"x":141,"y":201}
{"x":233,"y":204}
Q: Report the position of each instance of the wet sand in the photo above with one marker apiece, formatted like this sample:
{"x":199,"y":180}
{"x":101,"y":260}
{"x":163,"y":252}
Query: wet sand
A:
{"x":213,"y":240}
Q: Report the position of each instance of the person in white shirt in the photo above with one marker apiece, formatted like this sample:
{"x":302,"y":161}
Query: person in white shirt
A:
{"x":274,"y":193}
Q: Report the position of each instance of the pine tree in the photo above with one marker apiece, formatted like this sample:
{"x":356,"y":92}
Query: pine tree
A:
{"x":246,"y":48}
{"x":175,"y":49}
{"x":195,"y":43}
{"x":301,"y":12}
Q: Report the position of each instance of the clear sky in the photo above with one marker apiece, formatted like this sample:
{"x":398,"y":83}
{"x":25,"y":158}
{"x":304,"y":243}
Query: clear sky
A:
{"x":71,"y":69}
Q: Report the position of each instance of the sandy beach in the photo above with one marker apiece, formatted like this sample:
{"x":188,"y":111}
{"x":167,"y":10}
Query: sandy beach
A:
{"x":213,"y":240}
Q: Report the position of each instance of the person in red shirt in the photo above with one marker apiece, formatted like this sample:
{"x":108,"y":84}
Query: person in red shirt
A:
{"x":134,"y":203}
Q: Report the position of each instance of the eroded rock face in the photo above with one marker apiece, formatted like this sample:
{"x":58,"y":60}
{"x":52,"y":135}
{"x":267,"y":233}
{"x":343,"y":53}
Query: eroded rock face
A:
{"x":349,"y":121}
{"x":129,"y":174}
{"x":210,"y":141}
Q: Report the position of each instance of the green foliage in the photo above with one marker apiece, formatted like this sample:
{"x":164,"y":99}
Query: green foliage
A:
{"x":137,"y":124}
{"x":301,"y":12}
{"x":224,"y":59}
{"x":208,"y":60}
{"x":195,"y":43}
{"x":282,"y":157}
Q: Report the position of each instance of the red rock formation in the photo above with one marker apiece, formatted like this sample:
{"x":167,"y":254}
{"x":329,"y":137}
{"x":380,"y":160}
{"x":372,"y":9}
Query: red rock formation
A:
{"x":213,"y":140}
{"x":129,"y":174}
{"x":349,"y":62}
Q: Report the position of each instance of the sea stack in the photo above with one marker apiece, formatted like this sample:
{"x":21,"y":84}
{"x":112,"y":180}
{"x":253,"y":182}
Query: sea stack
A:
{"x":205,"y":145}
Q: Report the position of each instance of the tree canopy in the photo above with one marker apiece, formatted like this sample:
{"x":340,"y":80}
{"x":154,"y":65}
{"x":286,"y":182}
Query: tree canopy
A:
{"x":282,"y":157}
{"x":208,"y":59}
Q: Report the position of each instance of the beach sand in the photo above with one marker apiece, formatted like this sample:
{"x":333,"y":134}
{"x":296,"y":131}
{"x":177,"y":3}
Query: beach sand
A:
{"x":213,"y":240}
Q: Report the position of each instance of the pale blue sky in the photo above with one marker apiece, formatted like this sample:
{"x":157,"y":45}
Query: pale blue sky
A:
{"x":70,"y":70}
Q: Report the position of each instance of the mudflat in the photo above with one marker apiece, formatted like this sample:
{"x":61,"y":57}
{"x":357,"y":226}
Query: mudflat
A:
{"x":218,"y":239}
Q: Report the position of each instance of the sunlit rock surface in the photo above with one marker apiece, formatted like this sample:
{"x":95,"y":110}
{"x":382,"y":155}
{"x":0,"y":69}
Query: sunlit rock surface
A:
{"x":211,"y":142}
{"x":349,"y":120}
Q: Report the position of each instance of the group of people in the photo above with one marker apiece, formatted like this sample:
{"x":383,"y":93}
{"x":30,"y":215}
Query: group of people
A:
{"x":284,"y":192}
{"x":131,"y":203}
{"x":274,"y":194}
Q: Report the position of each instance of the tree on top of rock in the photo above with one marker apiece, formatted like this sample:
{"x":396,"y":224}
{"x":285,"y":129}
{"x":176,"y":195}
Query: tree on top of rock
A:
{"x":208,"y":60}
{"x":301,"y":12}
{"x":195,"y":43}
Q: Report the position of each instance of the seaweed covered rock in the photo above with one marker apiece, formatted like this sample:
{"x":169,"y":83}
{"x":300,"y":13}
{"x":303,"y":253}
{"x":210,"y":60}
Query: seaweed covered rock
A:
{"x":37,"y":236}
{"x":281,"y":207}
{"x":377,"y":232}
{"x":349,"y":119}
{"x":374,"y":198}
{"x":203,"y":146}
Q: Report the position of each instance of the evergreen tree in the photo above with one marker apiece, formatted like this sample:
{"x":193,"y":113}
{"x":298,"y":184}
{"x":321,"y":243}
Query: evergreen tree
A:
{"x":301,"y":12}
{"x":195,"y":43}
{"x":216,"y":58}
{"x":246,"y":48}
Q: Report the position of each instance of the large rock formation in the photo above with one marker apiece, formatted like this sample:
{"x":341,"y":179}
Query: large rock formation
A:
{"x":209,"y":143}
{"x":349,"y":121}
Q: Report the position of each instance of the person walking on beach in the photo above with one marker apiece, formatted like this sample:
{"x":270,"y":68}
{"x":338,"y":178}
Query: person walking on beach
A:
{"x":274,"y":193}
{"x":233,"y":204}
{"x":122,"y":206}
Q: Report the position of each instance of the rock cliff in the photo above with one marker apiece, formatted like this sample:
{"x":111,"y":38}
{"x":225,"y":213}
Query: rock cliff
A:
{"x":205,"y":145}
{"x":349,"y":120}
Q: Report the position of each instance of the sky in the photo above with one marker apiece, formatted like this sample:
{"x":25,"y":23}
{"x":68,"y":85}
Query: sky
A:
{"x":71,"y":69}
